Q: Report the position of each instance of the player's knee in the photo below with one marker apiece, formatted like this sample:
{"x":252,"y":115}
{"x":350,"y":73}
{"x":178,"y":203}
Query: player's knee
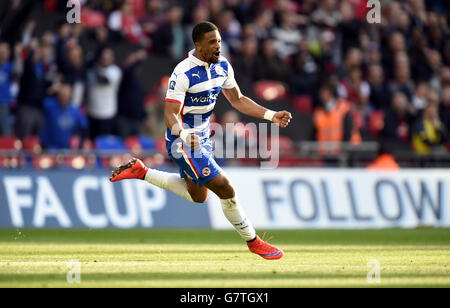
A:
{"x":222,"y":187}
{"x":199,"y":198}
{"x":227,"y":191}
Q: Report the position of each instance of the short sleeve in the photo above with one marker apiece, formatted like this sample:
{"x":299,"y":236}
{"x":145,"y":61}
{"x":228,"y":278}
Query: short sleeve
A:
{"x":178,"y":85}
{"x":230,"y":82}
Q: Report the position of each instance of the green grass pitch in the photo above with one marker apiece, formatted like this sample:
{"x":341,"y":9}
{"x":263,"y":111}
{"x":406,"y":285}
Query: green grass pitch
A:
{"x":205,"y":258}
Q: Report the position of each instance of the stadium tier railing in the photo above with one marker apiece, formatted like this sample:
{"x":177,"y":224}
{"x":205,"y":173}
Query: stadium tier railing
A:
{"x":304,"y":154}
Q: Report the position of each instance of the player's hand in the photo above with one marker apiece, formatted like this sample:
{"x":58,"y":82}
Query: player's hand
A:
{"x":194,"y":141}
{"x":282,"y":118}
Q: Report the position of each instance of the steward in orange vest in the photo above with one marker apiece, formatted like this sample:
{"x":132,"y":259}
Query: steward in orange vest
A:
{"x":333,"y":122}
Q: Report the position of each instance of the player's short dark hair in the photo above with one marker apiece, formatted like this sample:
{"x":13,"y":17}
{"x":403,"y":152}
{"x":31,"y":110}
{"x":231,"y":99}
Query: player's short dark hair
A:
{"x":202,"y":28}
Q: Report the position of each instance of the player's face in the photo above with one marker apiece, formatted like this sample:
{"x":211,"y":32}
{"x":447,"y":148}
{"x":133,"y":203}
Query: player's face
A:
{"x":209,"y":46}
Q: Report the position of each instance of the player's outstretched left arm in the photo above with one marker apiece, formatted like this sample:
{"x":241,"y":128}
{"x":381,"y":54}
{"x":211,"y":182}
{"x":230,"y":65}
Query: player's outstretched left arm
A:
{"x":249,"y":107}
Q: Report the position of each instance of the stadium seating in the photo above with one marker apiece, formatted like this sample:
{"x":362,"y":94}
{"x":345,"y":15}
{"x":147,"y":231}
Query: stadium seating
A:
{"x":303,"y":104}
{"x":11,"y":160}
{"x":32,"y":144}
{"x":109,"y":142}
{"x":268,"y":90}
{"x":136,"y":144}
{"x":147,"y":143}
{"x":133,"y":144}
{"x":79,"y":161}
{"x":10,"y":143}
{"x":44,"y":161}
{"x":376,"y":123}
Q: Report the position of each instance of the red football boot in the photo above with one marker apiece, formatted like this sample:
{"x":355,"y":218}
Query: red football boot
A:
{"x":264,"y":249}
{"x":134,"y":169}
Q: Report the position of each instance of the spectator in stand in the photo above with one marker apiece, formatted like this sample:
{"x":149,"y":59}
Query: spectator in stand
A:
{"x":37,"y":73}
{"x":419,"y":100}
{"x":444,"y":107}
{"x":402,"y":76}
{"x":333,"y":121}
{"x":446,"y":51}
{"x":286,"y":36}
{"x":215,"y":7}
{"x":434,"y":63}
{"x":124,"y":22}
{"x":400,"y":21}
{"x":169,"y":39}
{"x":327,"y":15}
{"x":153,"y":18}
{"x":429,"y":134}
{"x":6,"y":79}
{"x":230,"y":30}
{"x":304,"y":76}
{"x":396,"y":46}
{"x":263,"y":24}
{"x":199,"y":14}
{"x":328,"y":57}
{"x":435,"y":31}
{"x":379,"y":95}
{"x":417,"y":53}
{"x":245,"y":64}
{"x":248,"y":31}
{"x":269,"y":66}
{"x":62,"y":120}
{"x":73,"y":64}
{"x":444,"y":78}
{"x":373,"y":54}
{"x":103,"y":82}
{"x":349,"y":27}
{"x":74,"y":72}
{"x":62,"y":38}
{"x":13,"y":15}
{"x":353,"y":58}
{"x":398,"y":121}
{"x":131,"y":97}
{"x":154,"y":124}
{"x":354,"y":89}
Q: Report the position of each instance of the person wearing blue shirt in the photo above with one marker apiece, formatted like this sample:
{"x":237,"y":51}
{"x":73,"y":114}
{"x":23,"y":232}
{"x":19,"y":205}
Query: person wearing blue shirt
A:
{"x":62,"y":120}
{"x":6,"y":78}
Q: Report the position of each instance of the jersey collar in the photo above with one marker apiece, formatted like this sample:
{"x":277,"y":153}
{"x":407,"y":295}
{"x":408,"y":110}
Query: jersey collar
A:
{"x":197,"y":60}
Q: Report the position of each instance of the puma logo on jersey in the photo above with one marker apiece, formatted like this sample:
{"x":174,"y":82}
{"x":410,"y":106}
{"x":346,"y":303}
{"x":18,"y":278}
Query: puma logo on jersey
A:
{"x":197,"y":75}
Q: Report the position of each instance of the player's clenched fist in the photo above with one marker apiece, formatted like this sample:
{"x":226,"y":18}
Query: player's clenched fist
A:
{"x":192,"y":140}
{"x":282,"y":118}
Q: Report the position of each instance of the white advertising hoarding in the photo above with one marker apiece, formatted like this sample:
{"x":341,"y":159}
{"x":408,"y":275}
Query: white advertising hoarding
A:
{"x":288,"y":198}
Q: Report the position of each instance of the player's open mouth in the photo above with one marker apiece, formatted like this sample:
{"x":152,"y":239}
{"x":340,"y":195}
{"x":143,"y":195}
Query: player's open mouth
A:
{"x":217,"y":54}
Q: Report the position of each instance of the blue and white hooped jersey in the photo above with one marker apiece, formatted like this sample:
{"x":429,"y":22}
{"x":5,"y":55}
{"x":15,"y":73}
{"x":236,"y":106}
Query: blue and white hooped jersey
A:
{"x":196,"y":85}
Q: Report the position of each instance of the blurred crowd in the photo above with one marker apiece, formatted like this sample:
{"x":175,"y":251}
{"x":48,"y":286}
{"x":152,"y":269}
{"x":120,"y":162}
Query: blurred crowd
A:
{"x":387,"y":81}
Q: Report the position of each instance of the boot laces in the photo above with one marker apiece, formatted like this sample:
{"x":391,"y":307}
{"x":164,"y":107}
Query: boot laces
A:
{"x":267,"y":240}
{"x":265,"y":244}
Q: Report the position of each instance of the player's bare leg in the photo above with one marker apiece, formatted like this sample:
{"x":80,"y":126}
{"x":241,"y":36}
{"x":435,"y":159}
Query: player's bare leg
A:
{"x":222,"y":187}
{"x":198,"y":193}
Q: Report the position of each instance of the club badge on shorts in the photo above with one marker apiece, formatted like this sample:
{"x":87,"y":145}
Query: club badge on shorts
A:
{"x":206,"y":171}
